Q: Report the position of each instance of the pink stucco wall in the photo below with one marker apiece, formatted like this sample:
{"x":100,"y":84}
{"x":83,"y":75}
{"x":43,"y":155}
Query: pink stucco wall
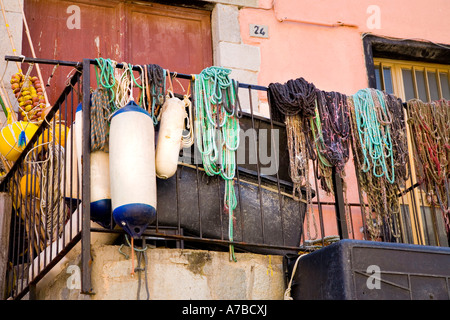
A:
{"x":321,"y":41}
{"x":332,"y":56}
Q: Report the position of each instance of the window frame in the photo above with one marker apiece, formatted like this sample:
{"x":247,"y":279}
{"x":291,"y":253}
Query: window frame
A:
{"x":397,"y":66}
{"x":389,"y":52}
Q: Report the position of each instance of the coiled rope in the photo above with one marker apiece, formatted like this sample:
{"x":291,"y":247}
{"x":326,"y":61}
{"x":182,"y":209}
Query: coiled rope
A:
{"x":294,"y":97}
{"x":100,"y":113}
{"x":296,"y":101}
{"x":330,"y":127}
{"x":156,"y":77}
{"x":430,"y":129}
{"x":374,"y":133}
{"x":102,"y":104}
{"x":217,"y":132}
{"x":377,"y":157}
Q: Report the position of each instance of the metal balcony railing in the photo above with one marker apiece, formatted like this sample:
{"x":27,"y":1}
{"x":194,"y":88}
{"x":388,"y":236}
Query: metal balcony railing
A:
{"x":46,"y":225}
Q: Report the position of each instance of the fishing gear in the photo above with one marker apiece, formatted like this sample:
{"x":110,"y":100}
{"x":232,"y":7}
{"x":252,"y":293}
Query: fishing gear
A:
{"x":217,"y":132}
{"x":377,"y":157}
{"x":430,"y":131}
{"x":296,"y":100}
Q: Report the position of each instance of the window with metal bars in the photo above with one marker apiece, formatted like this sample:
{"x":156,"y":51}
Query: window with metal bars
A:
{"x":427,"y":82}
{"x":409,"y":80}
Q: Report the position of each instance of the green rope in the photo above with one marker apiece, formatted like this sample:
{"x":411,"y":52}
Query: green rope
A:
{"x":102,"y":104}
{"x":319,"y":143}
{"x":217,"y":132}
{"x":373,"y":122}
{"x":100,"y":112}
{"x":4,"y":107}
{"x":106,"y":79}
{"x":133,"y":78}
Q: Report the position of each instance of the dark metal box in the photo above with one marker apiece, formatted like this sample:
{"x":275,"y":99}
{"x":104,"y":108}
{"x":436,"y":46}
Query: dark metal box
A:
{"x":367,"y":270}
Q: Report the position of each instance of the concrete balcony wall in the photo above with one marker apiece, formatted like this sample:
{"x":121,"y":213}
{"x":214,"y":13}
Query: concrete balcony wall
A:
{"x":173,"y":274}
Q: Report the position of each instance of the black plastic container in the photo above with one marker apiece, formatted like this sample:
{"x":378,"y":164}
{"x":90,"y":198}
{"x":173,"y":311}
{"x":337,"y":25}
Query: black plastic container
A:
{"x":265,"y":213}
{"x":367,"y":270}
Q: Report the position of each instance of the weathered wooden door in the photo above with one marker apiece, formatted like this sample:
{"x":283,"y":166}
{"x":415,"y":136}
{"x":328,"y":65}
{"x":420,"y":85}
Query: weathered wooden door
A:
{"x":177,"y":39}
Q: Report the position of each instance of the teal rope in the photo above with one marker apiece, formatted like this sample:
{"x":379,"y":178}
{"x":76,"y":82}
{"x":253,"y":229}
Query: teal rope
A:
{"x":106,"y":78}
{"x":102,"y":104}
{"x":374,"y":131}
{"x":217,"y":132}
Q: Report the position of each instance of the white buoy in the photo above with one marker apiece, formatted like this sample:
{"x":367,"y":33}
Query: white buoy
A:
{"x":72,"y":189}
{"x":100,"y":189}
{"x":173,"y":114}
{"x":132,"y":169}
{"x":100,"y":184}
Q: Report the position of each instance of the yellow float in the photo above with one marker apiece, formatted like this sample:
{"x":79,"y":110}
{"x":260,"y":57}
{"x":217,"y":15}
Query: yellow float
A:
{"x":29,"y":185}
{"x":59,"y":133}
{"x":12,"y":141}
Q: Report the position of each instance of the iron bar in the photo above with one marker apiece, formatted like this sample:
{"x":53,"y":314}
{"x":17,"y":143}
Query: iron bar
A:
{"x":86,"y":183}
{"x":47,"y":268}
{"x":340,"y":204}
{"x":41,"y":128}
{"x":27,"y":242}
{"x":206,"y":240}
{"x":319,"y":205}
{"x":76,"y":64}
{"x":258,"y":169}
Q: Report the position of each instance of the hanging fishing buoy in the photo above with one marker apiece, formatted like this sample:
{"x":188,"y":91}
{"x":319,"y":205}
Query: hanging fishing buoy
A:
{"x":57,"y":135}
{"x":132,"y":169}
{"x":14,"y":137}
{"x":72,"y":193}
{"x":173,"y":114}
{"x":29,"y":185}
{"x":100,"y":189}
{"x":100,"y":183}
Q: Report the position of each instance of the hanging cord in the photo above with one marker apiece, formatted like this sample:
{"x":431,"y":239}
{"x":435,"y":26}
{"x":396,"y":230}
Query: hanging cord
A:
{"x":296,"y":101}
{"x":294,"y":97}
{"x":376,"y":157}
{"x":287,"y":292}
{"x":102,"y":104}
{"x":141,"y":255}
{"x":374,"y":131}
{"x":217,"y":132}
{"x":156,"y":77}
{"x":187,"y":139}
{"x":399,"y":137}
{"x":100,"y":113}
{"x":124,"y":86}
{"x":106,"y":79}
{"x":330,"y":127}
{"x":430,"y":130}
{"x":49,"y":170}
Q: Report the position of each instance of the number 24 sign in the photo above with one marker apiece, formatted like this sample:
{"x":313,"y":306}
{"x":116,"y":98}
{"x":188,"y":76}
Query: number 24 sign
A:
{"x":258,"y":30}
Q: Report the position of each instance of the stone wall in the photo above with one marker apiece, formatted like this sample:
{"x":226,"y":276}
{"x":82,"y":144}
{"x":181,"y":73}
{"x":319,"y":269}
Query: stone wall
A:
{"x":229,"y":51}
{"x":173,"y":274}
